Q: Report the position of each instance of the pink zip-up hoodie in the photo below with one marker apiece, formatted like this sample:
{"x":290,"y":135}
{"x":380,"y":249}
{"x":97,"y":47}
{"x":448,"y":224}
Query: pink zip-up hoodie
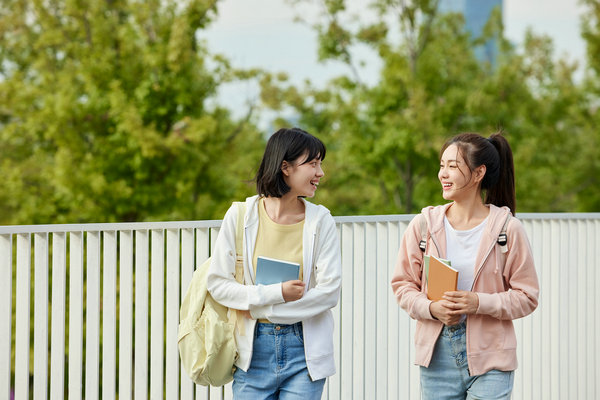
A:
{"x":506,"y":284}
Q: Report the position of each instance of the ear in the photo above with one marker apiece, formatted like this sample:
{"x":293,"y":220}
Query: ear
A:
{"x":479,"y":173}
{"x":285,"y":168}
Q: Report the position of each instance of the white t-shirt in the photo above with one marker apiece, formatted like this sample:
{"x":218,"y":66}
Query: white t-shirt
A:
{"x":461,"y":250}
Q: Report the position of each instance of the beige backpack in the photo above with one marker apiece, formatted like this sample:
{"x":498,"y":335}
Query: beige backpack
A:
{"x":206,"y":334}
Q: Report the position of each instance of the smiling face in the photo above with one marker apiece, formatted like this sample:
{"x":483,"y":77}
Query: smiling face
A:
{"x":302,"y":176}
{"x":457,"y":180}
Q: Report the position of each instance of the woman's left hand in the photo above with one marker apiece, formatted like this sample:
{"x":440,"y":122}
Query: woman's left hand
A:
{"x":463,"y":302}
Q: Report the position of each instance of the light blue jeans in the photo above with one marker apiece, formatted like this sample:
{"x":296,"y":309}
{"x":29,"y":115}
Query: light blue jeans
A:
{"x":278,"y":367}
{"x":447,"y":377}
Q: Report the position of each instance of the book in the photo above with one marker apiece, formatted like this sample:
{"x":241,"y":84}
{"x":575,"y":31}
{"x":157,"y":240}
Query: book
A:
{"x":440,"y":277}
{"x":271,"y":270}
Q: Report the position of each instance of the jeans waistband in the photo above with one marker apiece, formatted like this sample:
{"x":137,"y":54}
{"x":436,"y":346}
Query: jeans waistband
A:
{"x":278,"y":329}
{"x":455,"y":330}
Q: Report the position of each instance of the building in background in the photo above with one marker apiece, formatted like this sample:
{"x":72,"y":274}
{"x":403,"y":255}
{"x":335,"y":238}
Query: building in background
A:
{"x":476,"y":13}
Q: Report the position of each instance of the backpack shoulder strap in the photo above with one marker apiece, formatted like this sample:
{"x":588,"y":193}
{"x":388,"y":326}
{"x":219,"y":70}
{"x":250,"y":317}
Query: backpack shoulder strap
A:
{"x":502,"y":237}
{"x":239,"y":231}
{"x":423,"y":230}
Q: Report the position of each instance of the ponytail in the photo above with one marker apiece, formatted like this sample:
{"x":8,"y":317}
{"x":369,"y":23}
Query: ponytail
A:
{"x":495,"y":153}
{"x":502,"y":193}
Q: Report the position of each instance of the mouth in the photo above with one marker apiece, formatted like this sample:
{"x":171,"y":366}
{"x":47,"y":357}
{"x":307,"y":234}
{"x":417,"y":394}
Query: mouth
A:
{"x":315,"y":184}
{"x":446,"y":186}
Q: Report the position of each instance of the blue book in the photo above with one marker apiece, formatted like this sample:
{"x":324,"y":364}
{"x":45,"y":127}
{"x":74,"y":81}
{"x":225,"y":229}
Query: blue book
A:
{"x":271,"y":270}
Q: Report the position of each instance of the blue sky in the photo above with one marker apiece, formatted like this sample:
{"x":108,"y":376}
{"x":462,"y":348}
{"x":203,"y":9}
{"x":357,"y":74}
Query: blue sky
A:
{"x":262,"y":33}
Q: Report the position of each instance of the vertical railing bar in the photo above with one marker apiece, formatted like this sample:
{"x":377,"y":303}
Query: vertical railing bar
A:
{"x":393,"y":332}
{"x":359,"y":310}
{"x":40,"y":317}
{"x":109,"y":315}
{"x":6,"y":293}
{"x":125,"y":314}
{"x":92,"y":317}
{"x":346,"y":359}
{"x":381,"y":275}
{"x":141,"y":314}
{"x":76,"y":270}
{"x":157,"y":321}
{"x":172,"y":319}
{"x":22,"y":323}
{"x":57,"y":345}
{"x":371,"y":369}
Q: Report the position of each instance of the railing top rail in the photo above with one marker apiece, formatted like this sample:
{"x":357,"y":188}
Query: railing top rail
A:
{"x":408,"y":217}
{"x":115,"y":226}
{"x":125,"y":226}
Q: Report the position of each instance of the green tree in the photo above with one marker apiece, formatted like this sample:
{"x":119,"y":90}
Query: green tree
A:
{"x":588,"y":180}
{"x":107,"y":113}
{"x":386,"y":137}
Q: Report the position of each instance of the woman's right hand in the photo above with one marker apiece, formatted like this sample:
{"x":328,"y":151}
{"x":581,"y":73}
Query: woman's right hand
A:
{"x":292,"y":290}
{"x":441,"y":311}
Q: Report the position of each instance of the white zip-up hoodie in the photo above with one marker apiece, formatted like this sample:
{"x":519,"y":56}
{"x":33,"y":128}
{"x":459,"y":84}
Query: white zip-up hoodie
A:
{"x":322,"y":273}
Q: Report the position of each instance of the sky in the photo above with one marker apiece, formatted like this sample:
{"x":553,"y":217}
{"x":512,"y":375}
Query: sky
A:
{"x":263,"y":33}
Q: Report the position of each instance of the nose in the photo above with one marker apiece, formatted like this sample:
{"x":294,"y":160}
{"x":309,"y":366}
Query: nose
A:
{"x":320,"y":172}
{"x":443,"y":172}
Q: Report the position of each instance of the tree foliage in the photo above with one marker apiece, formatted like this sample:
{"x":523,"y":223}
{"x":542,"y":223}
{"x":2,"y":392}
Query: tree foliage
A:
{"x":108,"y":110}
{"x":105,"y":114}
{"x":386,"y":137}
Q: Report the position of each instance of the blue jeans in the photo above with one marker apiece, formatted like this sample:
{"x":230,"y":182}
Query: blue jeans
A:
{"x":447,"y":376}
{"x":278,"y":367}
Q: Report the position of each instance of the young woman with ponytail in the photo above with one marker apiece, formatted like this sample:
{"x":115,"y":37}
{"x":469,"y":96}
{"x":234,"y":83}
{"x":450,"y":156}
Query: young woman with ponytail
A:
{"x":465,"y":343}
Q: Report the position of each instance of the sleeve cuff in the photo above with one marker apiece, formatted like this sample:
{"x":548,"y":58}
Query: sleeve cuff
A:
{"x":428,"y":313}
{"x":273,"y":294}
{"x":486,"y":303}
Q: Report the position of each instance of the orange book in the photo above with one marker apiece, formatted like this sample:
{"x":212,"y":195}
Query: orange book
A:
{"x":441,"y":278}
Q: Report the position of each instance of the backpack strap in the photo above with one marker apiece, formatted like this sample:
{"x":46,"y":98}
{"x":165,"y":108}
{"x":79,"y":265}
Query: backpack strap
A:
{"x":502,"y":237}
{"x":239,"y":242}
{"x":423,"y":230}
{"x":239,"y":231}
{"x":234,"y":319}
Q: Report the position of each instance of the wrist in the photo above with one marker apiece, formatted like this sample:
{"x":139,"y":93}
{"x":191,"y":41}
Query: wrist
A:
{"x":431,"y":311}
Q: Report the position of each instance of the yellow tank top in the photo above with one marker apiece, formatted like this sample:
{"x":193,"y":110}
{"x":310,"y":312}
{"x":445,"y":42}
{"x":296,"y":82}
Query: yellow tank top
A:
{"x":283,"y":242}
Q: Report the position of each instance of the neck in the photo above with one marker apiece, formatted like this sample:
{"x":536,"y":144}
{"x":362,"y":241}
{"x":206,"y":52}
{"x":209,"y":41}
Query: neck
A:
{"x":467,"y":213}
{"x":285,"y":209}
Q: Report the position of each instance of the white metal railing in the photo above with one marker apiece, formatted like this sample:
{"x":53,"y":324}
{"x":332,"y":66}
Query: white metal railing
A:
{"x":91,"y":311}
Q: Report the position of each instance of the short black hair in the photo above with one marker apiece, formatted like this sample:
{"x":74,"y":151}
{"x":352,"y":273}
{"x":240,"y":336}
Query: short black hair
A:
{"x":287,"y":144}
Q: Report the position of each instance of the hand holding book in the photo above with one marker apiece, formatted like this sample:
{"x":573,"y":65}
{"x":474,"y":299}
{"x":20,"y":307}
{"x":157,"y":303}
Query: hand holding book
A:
{"x":292,"y":290}
{"x":271,"y":270}
{"x":449,"y":304}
